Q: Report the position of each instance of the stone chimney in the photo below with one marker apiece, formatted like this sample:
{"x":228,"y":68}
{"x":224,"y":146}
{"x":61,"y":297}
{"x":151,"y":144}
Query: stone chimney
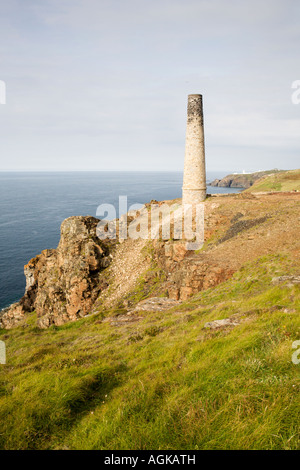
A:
{"x":194,"y":179}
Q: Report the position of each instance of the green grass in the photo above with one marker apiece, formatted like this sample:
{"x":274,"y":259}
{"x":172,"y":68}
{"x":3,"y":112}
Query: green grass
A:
{"x":282,"y":181}
{"x":163,"y":382}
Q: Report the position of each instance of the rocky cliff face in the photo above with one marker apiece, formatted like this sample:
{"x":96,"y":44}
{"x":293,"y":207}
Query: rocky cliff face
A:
{"x":188,"y":273}
{"x":68,"y":282}
{"x":71,"y":281}
{"x":63,"y":283}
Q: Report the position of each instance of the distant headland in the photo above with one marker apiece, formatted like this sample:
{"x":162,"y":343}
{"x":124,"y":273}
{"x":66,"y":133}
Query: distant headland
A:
{"x":242,"y":180}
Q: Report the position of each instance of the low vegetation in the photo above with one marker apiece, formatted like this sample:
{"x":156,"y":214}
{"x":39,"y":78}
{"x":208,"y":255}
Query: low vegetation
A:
{"x":281,"y":181}
{"x":163,"y":381}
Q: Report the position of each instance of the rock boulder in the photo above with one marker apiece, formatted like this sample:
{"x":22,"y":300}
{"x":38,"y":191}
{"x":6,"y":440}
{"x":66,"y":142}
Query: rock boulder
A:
{"x":63,"y":283}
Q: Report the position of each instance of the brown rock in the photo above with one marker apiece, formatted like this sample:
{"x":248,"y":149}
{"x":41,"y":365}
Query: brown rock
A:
{"x":63,"y":284}
{"x":179,"y":251}
{"x":186,"y":292}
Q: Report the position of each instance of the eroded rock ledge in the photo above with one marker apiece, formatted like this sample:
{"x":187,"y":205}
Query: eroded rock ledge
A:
{"x":63,"y":283}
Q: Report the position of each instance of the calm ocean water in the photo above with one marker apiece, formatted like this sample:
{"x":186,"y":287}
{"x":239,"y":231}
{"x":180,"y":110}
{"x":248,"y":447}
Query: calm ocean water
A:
{"x":33,"y":205}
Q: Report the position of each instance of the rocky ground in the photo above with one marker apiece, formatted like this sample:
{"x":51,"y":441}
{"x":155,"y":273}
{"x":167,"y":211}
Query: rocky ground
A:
{"x":85,"y":275}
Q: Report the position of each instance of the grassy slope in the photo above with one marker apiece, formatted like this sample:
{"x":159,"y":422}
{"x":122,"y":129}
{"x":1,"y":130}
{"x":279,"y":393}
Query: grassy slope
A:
{"x":282,"y":181}
{"x":163,"y":382}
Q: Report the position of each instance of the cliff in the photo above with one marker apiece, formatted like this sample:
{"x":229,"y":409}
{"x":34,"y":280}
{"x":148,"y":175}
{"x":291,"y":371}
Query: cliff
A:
{"x":241,"y":180}
{"x":62,"y":284}
{"x":85,"y":275}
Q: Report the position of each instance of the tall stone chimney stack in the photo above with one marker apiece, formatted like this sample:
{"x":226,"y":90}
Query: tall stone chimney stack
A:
{"x":194,"y":179}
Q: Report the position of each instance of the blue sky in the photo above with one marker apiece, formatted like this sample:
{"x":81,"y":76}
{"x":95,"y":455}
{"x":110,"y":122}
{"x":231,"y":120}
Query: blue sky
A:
{"x":103,"y":85}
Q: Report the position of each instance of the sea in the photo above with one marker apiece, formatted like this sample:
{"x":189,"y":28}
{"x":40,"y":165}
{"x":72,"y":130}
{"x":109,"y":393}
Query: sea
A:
{"x":34,"y":204}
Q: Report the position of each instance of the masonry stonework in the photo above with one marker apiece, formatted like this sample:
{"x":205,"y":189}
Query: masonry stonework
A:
{"x":194,"y":180}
